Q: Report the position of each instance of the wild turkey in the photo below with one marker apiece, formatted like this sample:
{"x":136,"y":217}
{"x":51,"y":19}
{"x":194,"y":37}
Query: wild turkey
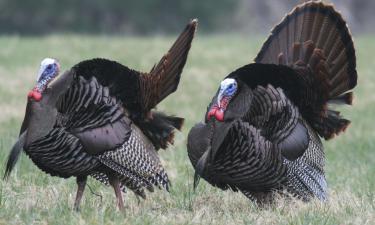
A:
{"x":96,"y":120}
{"x":261,"y":131}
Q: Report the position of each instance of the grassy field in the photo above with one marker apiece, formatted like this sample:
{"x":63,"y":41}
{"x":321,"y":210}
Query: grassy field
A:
{"x":32,"y":197}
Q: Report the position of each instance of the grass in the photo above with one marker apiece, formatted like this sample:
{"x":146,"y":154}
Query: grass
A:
{"x":32,"y":197}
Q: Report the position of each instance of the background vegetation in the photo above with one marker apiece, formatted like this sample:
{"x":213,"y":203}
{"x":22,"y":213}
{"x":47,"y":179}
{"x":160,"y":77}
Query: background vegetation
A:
{"x":32,"y":197}
{"x":160,"y":16}
{"x":72,"y":31}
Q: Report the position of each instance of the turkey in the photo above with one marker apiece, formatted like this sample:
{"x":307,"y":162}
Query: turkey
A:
{"x":97,"y":120}
{"x":262,"y":131}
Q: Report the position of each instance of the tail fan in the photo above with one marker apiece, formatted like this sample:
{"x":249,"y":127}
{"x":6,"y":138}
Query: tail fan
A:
{"x":315,"y":39}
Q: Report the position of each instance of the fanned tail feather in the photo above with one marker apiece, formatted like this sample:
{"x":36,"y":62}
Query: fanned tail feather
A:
{"x":315,"y":40}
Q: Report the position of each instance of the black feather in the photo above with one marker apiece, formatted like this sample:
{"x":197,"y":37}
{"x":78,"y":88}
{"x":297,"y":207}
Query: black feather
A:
{"x":122,"y":81}
{"x":14,"y":155}
{"x":160,"y":128}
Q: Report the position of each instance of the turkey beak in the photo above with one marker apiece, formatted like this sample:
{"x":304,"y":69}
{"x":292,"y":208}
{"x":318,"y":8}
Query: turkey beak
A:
{"x":40,"y":72}
{"x":219,"y":97}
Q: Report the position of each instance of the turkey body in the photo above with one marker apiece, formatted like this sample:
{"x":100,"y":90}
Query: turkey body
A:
{"x":266,"y":137}
{"x":93,"y":136}
{"x":97,"y":120}
{"x":270,"y":147}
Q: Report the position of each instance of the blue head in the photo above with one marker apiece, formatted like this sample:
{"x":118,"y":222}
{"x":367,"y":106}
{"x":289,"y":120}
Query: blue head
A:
{"x":48,"y":70}
{"x":228,"y":89}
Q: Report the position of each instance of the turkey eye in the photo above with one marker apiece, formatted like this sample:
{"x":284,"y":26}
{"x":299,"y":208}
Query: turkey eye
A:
{"x":49,"y":67}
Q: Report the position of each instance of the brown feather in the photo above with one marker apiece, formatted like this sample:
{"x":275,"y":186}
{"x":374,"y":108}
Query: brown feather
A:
{"x":318,"y":26}
{"x":164,"y":77}
{"x":318,"y":40}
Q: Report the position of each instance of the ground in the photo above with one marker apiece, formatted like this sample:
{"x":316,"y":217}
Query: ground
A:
{"x":32,"y":197}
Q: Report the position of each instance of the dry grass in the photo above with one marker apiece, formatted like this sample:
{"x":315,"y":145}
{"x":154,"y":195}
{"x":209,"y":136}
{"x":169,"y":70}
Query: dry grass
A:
{"x":32,"y":197}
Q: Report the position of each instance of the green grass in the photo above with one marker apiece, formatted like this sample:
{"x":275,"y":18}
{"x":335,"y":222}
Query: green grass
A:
{"x":32,"y":197}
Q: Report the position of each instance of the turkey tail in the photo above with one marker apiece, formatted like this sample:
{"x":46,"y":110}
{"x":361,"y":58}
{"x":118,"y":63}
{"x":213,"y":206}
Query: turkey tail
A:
{"x":160,"y":128}
{"x":315,"y":39}
{"x":176,"y":122}
{"x":164,"y":77}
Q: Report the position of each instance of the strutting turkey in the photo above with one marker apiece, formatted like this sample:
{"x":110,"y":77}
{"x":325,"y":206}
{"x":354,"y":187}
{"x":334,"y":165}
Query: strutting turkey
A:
{"x":261,"y":130}
{"x":97,"y":119}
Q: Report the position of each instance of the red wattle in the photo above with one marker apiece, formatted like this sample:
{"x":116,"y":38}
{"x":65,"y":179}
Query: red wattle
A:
{"x":219,"y":115}
{"x":217,"y":112}
{"x":212,"y":112}
{"x":36,"y":95}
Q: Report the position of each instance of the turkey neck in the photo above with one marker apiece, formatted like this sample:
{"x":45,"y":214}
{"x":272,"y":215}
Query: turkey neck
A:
{"x":40,"y":116}
{"x":41,"y":119}
{"x":240,"y":104}
{"x":213,"y":131}
{"x":219,"y":130}
{"x":236,"y":110}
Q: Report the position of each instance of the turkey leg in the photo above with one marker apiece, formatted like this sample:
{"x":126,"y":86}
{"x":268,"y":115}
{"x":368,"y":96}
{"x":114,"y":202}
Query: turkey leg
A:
{"x":81,"y":182}
{"x":115,"y":183}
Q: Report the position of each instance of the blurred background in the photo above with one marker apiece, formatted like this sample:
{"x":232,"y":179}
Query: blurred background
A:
{"x":40,"y":17}
{"x":137,"y":33}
